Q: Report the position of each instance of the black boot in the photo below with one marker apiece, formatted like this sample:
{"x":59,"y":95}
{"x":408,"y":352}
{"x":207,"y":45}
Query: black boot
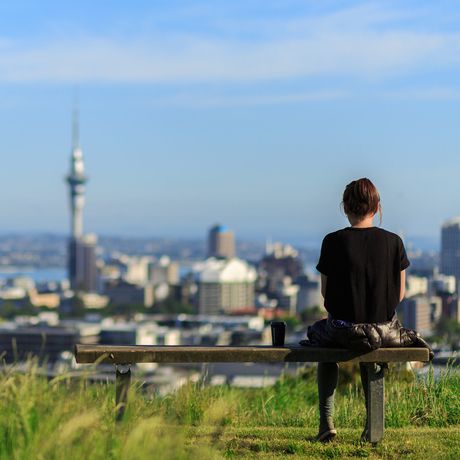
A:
{"x":327,"y":431}
{"x":365,"y":433}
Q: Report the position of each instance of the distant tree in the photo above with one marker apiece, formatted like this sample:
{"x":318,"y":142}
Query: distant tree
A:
{"x":128,"y":310}
{"x":312,"y":314}
{"x":291,"y":321}
{"x":170,"y":305}
{"x":448,"y":330}
{"x":73,"y":308}
{"x":9,"y":309}
{"x":45,"y":308}
{"x":166,"y":306}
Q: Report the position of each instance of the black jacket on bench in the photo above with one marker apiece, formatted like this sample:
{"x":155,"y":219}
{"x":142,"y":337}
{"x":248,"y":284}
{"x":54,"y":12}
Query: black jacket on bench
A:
{"x":363,"y":336}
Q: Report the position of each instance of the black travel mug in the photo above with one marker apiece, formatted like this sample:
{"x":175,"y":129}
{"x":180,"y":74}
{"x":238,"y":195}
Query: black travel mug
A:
{"x":278,"y":333}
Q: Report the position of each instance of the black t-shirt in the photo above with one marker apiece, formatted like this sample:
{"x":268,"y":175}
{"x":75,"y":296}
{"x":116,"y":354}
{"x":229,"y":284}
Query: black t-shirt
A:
{"x":363,"y":268}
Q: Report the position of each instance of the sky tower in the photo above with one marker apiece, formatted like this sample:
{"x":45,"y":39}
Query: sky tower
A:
{"x":76,"y":180}
{"x":82,"y":269}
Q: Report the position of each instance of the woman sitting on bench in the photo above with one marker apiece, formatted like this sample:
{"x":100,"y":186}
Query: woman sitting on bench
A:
{"x":362,"y":281}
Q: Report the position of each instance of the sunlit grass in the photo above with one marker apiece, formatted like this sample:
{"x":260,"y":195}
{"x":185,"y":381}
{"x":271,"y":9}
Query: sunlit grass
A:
{"x":69,"y":418}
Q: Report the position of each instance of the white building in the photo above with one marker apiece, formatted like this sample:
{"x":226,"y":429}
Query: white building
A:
{"x":288,"y":295}
{"x":280,"y":250}
{"x":225,"y":285}
{"x":442,"y":284}
{"x":137,"y":270}
{"x":164,"y":271}
{"x":416,"y":285}
{"x":12,"y":293}
{"x":113,"y":333}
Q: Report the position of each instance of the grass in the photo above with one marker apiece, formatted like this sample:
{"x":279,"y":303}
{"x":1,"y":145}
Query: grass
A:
{"x":70,"y":419}
{"x":296,"y":443}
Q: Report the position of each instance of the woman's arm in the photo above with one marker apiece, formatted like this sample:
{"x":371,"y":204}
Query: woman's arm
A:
{"x":323,"y":285}
{"x":403,"y":285}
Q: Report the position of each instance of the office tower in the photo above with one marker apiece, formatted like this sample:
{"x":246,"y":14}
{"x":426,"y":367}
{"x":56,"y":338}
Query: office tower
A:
{"x":86,"y":275}
{"x":83,"y":273}
{"x":225,"y":285}
{"x":450,"y":308}
{"x":450,"y":248}
{"x":82,"y":269}
{"x":420,"y":312}
{"x":221,"y":242}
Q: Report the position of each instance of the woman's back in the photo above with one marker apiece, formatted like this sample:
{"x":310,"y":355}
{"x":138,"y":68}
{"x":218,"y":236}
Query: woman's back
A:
{"x":362,"y":279}
{"x":363,"y":268}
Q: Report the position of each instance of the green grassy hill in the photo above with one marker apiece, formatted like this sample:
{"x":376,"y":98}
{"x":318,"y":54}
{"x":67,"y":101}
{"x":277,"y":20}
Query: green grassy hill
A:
{"x":71,"y":419}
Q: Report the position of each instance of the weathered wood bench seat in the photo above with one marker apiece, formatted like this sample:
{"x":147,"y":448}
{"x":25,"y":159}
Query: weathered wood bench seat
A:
{"x":124,"y":356}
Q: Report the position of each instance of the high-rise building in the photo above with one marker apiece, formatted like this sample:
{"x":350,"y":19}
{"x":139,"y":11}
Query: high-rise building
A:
{"x":221,"y":242}
{"x":450,"y":248}
{"x":420,"y":312}
{"x":82,"y":269}
{"x":450,"y":307}
{"x":86,"y":273}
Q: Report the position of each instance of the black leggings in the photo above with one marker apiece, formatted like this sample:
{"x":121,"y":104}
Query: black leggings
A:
{"x":328,"y":375}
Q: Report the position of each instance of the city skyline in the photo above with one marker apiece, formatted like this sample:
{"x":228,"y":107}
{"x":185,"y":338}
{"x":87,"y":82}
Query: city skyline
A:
{"x":185,"y":134}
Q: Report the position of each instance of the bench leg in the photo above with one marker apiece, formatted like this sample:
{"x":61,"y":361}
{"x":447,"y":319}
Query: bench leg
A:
{"x":376,"y":402}
{"x":122,"y":382}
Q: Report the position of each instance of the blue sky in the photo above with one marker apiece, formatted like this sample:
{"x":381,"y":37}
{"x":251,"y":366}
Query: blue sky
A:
{"x":251,"y":113}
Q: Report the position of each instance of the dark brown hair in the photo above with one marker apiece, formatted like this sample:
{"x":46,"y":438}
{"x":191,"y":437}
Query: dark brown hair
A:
{"x":361,"y":198}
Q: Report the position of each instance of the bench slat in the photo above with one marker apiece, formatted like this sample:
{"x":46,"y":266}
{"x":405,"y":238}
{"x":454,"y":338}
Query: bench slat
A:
{"x":249,"y":354}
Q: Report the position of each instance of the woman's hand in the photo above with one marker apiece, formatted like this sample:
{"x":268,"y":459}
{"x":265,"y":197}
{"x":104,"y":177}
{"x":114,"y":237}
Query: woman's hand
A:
{"x":323,"y":285}
{"x":403,"y":285}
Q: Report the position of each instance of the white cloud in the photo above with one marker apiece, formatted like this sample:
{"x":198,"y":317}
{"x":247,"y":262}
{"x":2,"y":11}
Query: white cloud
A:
{"x":359,"y":42}
{"x":427,"y":94}
{"x":206,"y":100}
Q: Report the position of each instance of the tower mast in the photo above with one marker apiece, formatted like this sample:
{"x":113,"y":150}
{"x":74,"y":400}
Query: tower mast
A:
{"x":76,"y":180}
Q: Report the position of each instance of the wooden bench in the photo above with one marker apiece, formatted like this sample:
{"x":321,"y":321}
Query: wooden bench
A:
{"x":124,"y":356}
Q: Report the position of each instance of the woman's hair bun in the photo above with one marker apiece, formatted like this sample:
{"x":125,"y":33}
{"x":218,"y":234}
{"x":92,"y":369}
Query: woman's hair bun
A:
{"x":361,"y":198}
